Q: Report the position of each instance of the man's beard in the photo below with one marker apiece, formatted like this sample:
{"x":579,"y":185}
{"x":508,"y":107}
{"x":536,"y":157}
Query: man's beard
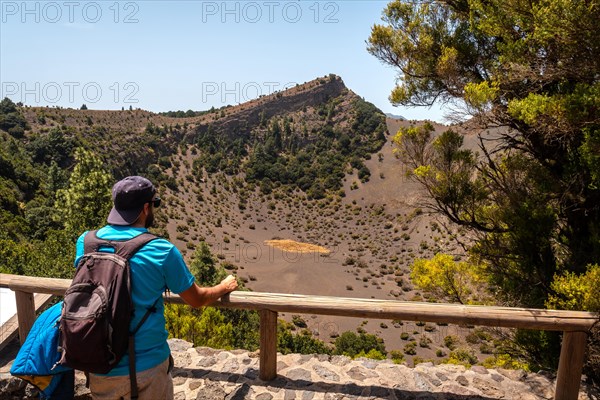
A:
{"x":149,"y":220}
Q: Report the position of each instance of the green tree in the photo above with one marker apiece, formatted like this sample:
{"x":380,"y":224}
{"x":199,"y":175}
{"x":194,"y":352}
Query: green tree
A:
{"x":52,"y":257}
{"x":11,"y":119}
{"x":204,"y":267}
{"x":13,"y":257}
{"x":20,"y":178}
{"x":54,"y":146}
{"x":246,"y":332}
{"x":86,"y":201}
{"x":530,"y":71}
{"x":213,"y":331}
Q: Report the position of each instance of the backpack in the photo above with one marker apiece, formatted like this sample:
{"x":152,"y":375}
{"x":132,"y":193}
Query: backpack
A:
{"x":98,"y":308}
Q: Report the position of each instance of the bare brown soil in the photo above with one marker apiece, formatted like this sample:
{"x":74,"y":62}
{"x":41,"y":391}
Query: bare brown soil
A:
{"x":372,"y":235}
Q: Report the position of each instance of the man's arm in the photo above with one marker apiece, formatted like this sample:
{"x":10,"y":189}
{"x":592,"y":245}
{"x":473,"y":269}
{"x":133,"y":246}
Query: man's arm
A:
{"x":197,"y":296}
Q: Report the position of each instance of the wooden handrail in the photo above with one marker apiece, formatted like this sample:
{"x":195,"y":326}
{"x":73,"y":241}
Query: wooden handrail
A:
{"x":574,"y":324}
{"x":528,"y":318}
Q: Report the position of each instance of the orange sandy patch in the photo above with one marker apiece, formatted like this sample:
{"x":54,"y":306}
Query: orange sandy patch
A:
{"x":298,"y":247}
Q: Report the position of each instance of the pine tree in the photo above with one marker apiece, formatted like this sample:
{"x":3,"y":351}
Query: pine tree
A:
{"x":86,"y":201}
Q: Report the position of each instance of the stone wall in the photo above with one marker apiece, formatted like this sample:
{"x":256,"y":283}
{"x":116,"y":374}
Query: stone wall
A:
{"x":208,"y":374}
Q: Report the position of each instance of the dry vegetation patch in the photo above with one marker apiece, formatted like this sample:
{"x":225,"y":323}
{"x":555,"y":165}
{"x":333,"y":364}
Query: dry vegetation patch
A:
{"x":297,"y":247}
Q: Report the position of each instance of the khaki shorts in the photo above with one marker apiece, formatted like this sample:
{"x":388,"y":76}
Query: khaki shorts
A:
{"x":153,"y":383}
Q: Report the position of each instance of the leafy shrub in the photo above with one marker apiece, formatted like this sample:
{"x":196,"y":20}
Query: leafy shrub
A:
{"x":462,"y":357}
{"x":451,"y":342}
{"x":397,"y":356}
{"x":410,"y":348}
{"x":351,"y":344}
{"x":299,"y":321}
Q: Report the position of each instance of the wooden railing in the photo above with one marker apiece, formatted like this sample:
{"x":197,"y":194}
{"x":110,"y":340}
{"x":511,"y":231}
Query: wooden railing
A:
{"x":574,"y":324}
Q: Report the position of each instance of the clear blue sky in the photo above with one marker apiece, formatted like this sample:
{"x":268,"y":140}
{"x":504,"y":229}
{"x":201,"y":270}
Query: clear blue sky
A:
{"x":180,"y":55}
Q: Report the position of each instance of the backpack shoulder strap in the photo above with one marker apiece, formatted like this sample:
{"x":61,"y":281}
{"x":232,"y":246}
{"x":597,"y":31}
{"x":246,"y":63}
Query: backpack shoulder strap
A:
{"x":128,"y":248}
{"x":123,"y":248}
{"x":91,"y":242}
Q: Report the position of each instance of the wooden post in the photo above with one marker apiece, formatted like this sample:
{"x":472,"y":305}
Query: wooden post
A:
{"x":268,"y":345}
{"x":570,"y":365}
{"x":25,"y":313}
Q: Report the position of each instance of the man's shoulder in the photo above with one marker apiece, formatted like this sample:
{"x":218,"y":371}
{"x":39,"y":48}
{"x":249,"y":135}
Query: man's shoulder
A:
{"x":161,"y":243}
{"x":160,"y":248}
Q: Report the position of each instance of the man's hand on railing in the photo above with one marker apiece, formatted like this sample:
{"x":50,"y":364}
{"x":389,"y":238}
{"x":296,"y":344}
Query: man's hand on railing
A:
{"x":230,"y":283}
{"x":198,"y":296}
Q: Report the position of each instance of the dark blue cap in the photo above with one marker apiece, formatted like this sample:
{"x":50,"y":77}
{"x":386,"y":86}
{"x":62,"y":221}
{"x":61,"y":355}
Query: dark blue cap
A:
{"x":129,"y":196}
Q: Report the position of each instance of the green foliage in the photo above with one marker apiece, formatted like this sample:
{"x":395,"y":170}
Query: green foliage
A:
{"x":213,"y":331}
{"x":185,"y":114}
{"x":11,"y":119}
{"x":364,"y":174}
{"x":246,"y":325}
{"x":20,"y":179}
{"x":576,"y":292}
{"x":372,"y":354}
{"x":33,"y":242}
{"x":410,"y":348}
{"x":13,"y":257}
{"x":202,"y":327}
{"x":204,"y":266}
{"x":462,"y":357}
{"x":51,"y":257}
{"x":447,"y":279}
{"x":301,"y":343}
{"x":55,"y":146}
{"x":129,"y":152}
{"x":504,"y":361}
{"x":397,"y":356}
{"x":531,"y":198}
{"x":208,"y":326}
{"x":537,"y":348}
{"x":590,"y":154}
{"x":86,"y":201}
{"x":351,"y":344}
{"x":532,"y":205}
{"x":298,"y":321}
{"x":277,"y":153}
{"x":218,"y":153}
{"x":451,"y":342}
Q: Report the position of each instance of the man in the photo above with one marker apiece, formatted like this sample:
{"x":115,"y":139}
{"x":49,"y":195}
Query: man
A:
{"x":155,"y":267}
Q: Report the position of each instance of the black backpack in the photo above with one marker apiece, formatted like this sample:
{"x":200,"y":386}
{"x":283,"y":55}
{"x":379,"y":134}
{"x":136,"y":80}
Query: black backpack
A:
{"x":98,"y":308}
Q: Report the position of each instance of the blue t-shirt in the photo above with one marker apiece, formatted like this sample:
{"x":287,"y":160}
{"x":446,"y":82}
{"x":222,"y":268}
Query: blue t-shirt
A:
{"x":155,"y":267}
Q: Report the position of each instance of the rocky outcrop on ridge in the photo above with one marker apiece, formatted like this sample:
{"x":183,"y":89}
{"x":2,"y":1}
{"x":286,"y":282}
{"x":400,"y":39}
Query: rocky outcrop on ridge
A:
{"x":242,"y":118}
